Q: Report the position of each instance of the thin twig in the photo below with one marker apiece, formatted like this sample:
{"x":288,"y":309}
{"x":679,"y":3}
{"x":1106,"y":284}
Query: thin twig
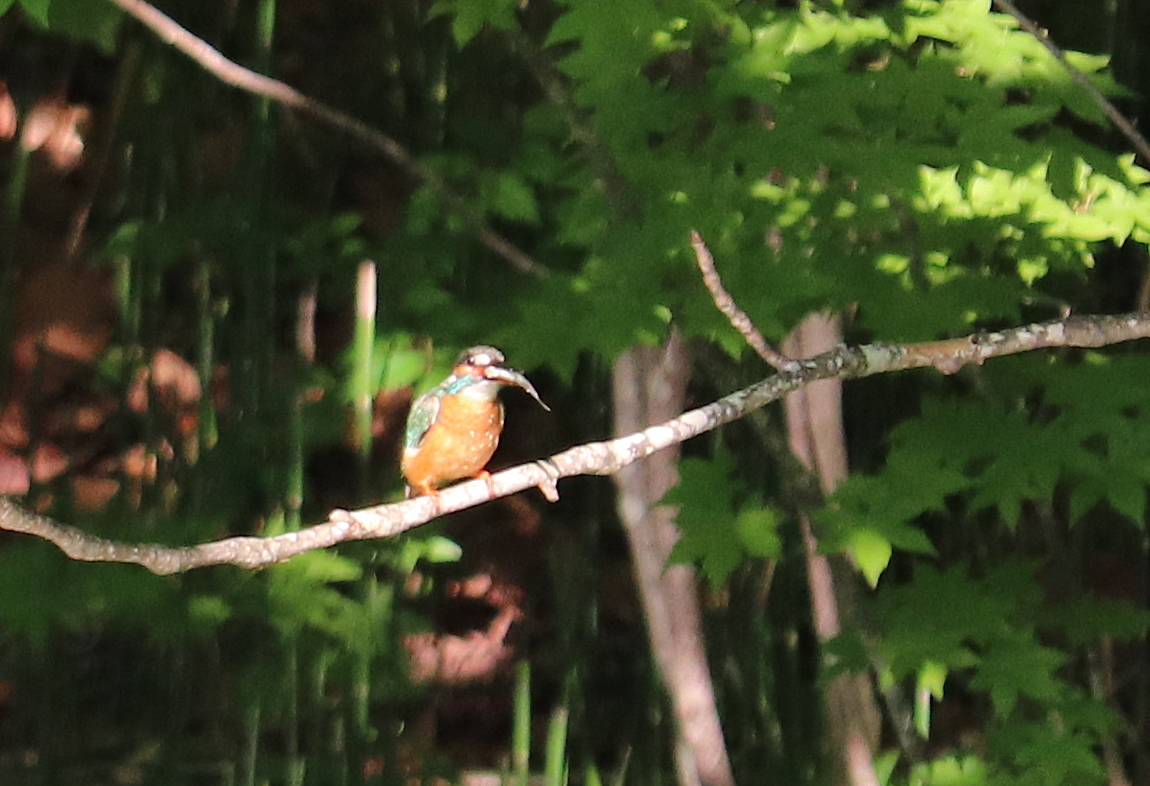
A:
{"x":737,"y":317}
{"x":594,"y":458}
{"x":1117,"y":118}
{"x":245,"y":79}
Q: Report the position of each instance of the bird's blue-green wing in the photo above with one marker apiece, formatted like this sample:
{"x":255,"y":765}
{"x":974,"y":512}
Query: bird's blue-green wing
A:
{"x":419,"y":420}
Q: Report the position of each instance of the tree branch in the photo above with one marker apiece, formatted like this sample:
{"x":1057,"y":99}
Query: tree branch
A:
{"x":245,"y":79}
{"x":593,"y":458}
{"x":738,"y":318}
{"x":1117,"y":118}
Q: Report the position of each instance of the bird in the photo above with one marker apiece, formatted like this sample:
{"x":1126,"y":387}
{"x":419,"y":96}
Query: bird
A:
{"x":453,"y":429}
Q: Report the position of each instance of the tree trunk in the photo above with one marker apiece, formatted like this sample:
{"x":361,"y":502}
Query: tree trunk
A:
{"x":814,"y":428}
{"x":649,"y":387}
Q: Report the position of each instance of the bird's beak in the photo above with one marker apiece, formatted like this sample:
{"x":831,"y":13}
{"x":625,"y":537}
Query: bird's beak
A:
{"x":510,"y":376}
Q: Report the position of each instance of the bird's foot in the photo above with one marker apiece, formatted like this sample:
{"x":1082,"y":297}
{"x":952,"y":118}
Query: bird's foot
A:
{"x":485,"y":476}
{"x":423,"y":490}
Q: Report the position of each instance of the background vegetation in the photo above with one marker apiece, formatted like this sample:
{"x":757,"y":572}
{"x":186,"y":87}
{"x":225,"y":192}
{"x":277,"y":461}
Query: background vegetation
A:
{"x":182,"y":361}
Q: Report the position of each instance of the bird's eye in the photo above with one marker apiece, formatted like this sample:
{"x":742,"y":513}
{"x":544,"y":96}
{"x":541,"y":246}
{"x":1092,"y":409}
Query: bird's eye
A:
{"x":482,"y":357}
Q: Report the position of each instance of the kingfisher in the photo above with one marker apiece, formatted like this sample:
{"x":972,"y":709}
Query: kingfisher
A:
{"x":453,"y":429}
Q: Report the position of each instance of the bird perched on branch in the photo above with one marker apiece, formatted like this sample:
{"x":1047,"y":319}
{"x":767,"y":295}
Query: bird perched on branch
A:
{"x":453,"y":429}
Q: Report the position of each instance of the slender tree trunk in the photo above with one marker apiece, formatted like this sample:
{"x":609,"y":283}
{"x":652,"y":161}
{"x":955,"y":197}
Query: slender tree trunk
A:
{"x":814,"y":428}
{"x":649,"y":387}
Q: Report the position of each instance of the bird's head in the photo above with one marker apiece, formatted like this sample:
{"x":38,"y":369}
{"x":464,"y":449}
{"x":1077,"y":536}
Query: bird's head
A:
{"x":485,"y":364}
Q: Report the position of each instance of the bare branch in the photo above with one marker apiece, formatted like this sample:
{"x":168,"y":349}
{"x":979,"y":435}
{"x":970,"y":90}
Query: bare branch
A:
{"x":250,"y":552}
{"x":593,"y":458}
{"x":735,"y":315}
{"x":245,"y":79}
{"x":1117,"y":118}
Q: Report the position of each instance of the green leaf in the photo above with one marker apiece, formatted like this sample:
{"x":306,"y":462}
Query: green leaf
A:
{"x":885,"y":763}
{"x":400,"y":365}
{"x":1019,"y":666}
{"x":317,"y":567}
{"x":951,"y":770}
{"x":435,"y":549}
{"x":511,"y":198}
{"x":758,"y":531}
{"x":559,"y":311}
{"x":469,"y":17}
{"x":869,"y":516}
{"x":848,"y":654}
{"x":1040,"y":754}
{"x":1086,"y":620}
{"x":717,"y":556}
{"x":208,"y":610}
{"x":941,"y":616}
{"x":715,"y":532}
{"x":97,"y":22}
{"x":301,"y":596}
{"x":438,"y":549}
{"x":37,"y":10}
{"x":1008,"y":459}
{"x":932,"y":678}
{"x":871,"y":552}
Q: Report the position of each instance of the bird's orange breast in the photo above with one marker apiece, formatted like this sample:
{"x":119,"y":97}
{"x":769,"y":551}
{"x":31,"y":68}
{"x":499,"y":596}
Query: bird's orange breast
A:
{"x":457,"y":445}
